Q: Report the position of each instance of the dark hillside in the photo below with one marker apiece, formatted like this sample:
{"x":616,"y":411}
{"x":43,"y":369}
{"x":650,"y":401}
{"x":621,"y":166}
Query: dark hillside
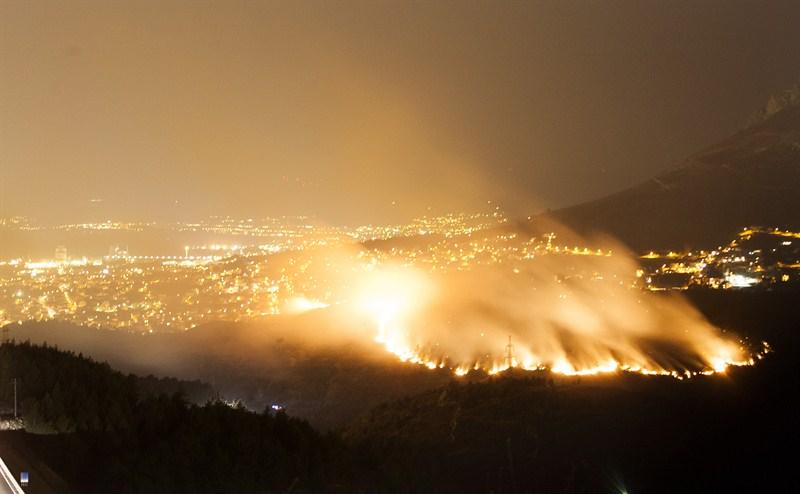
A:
{"x":113,"y":432}
{"x":751,"y":178}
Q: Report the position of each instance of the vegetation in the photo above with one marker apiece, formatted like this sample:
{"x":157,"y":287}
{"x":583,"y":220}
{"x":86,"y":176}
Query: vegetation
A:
{"x":129,"y":433}
{"x":61,"y":392}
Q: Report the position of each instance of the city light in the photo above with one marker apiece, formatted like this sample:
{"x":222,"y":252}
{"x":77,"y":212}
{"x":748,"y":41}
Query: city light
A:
{"x":389,"y":283}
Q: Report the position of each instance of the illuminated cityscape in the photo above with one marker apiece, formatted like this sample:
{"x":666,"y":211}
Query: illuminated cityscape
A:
{"x":304,"y":261}
{"x":231,"y":282}
{"x":757,"y":257}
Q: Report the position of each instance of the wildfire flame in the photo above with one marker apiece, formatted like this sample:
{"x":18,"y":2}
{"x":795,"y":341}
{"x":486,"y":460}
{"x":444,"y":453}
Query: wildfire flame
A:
{"x":572,"y":335}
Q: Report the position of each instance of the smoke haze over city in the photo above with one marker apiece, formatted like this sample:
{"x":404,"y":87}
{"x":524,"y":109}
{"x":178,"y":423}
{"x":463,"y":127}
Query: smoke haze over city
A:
{"x":360,"y":112}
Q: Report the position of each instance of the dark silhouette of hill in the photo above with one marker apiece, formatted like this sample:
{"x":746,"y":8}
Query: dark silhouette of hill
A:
{"x":113,"y":434}
{"x":287,"y":361}
{"x":751,"y":178}
{"x":59,"y":391}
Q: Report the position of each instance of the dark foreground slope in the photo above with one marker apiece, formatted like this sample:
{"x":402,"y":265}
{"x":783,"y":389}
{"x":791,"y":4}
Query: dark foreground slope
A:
{"x":751,"y":178}
{"x":260,"y":363}
{"x":58,"y":391}
{"x":109,"y":432}
{"x":607,"y":434}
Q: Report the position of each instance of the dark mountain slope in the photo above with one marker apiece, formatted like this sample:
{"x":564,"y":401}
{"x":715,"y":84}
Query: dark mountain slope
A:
{"x":260,"y":363}
{"x":752,"y":178}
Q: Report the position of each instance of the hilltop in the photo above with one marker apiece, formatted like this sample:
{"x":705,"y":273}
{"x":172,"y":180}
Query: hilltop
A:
{"x":750,"y":178}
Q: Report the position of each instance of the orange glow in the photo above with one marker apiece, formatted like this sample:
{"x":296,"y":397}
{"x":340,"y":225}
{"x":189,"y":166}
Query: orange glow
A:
{"x":398,"y":301}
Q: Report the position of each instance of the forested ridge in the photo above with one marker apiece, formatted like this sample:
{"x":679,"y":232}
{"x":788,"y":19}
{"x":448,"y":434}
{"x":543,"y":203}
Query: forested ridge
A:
{"x":143,"y":435}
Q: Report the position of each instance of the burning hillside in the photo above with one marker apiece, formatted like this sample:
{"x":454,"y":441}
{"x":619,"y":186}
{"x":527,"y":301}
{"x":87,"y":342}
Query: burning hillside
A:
{"x":576,"y":319}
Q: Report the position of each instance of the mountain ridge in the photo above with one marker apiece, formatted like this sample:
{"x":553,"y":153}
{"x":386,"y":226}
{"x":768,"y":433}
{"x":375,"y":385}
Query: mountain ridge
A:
{"x":750,"y":178}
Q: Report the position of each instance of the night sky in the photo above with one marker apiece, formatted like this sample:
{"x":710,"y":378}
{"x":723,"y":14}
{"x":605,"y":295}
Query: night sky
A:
{"x":368,"y":111}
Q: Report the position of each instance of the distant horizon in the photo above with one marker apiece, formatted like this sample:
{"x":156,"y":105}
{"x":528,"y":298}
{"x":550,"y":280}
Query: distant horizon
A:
{"x":317,"y":219}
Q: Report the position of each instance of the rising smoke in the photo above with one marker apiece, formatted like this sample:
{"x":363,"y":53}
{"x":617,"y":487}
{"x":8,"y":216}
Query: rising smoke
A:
{"x":571,"y":314}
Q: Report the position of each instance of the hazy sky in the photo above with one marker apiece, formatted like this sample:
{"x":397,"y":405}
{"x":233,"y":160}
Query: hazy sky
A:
{"x":341,"y":109}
